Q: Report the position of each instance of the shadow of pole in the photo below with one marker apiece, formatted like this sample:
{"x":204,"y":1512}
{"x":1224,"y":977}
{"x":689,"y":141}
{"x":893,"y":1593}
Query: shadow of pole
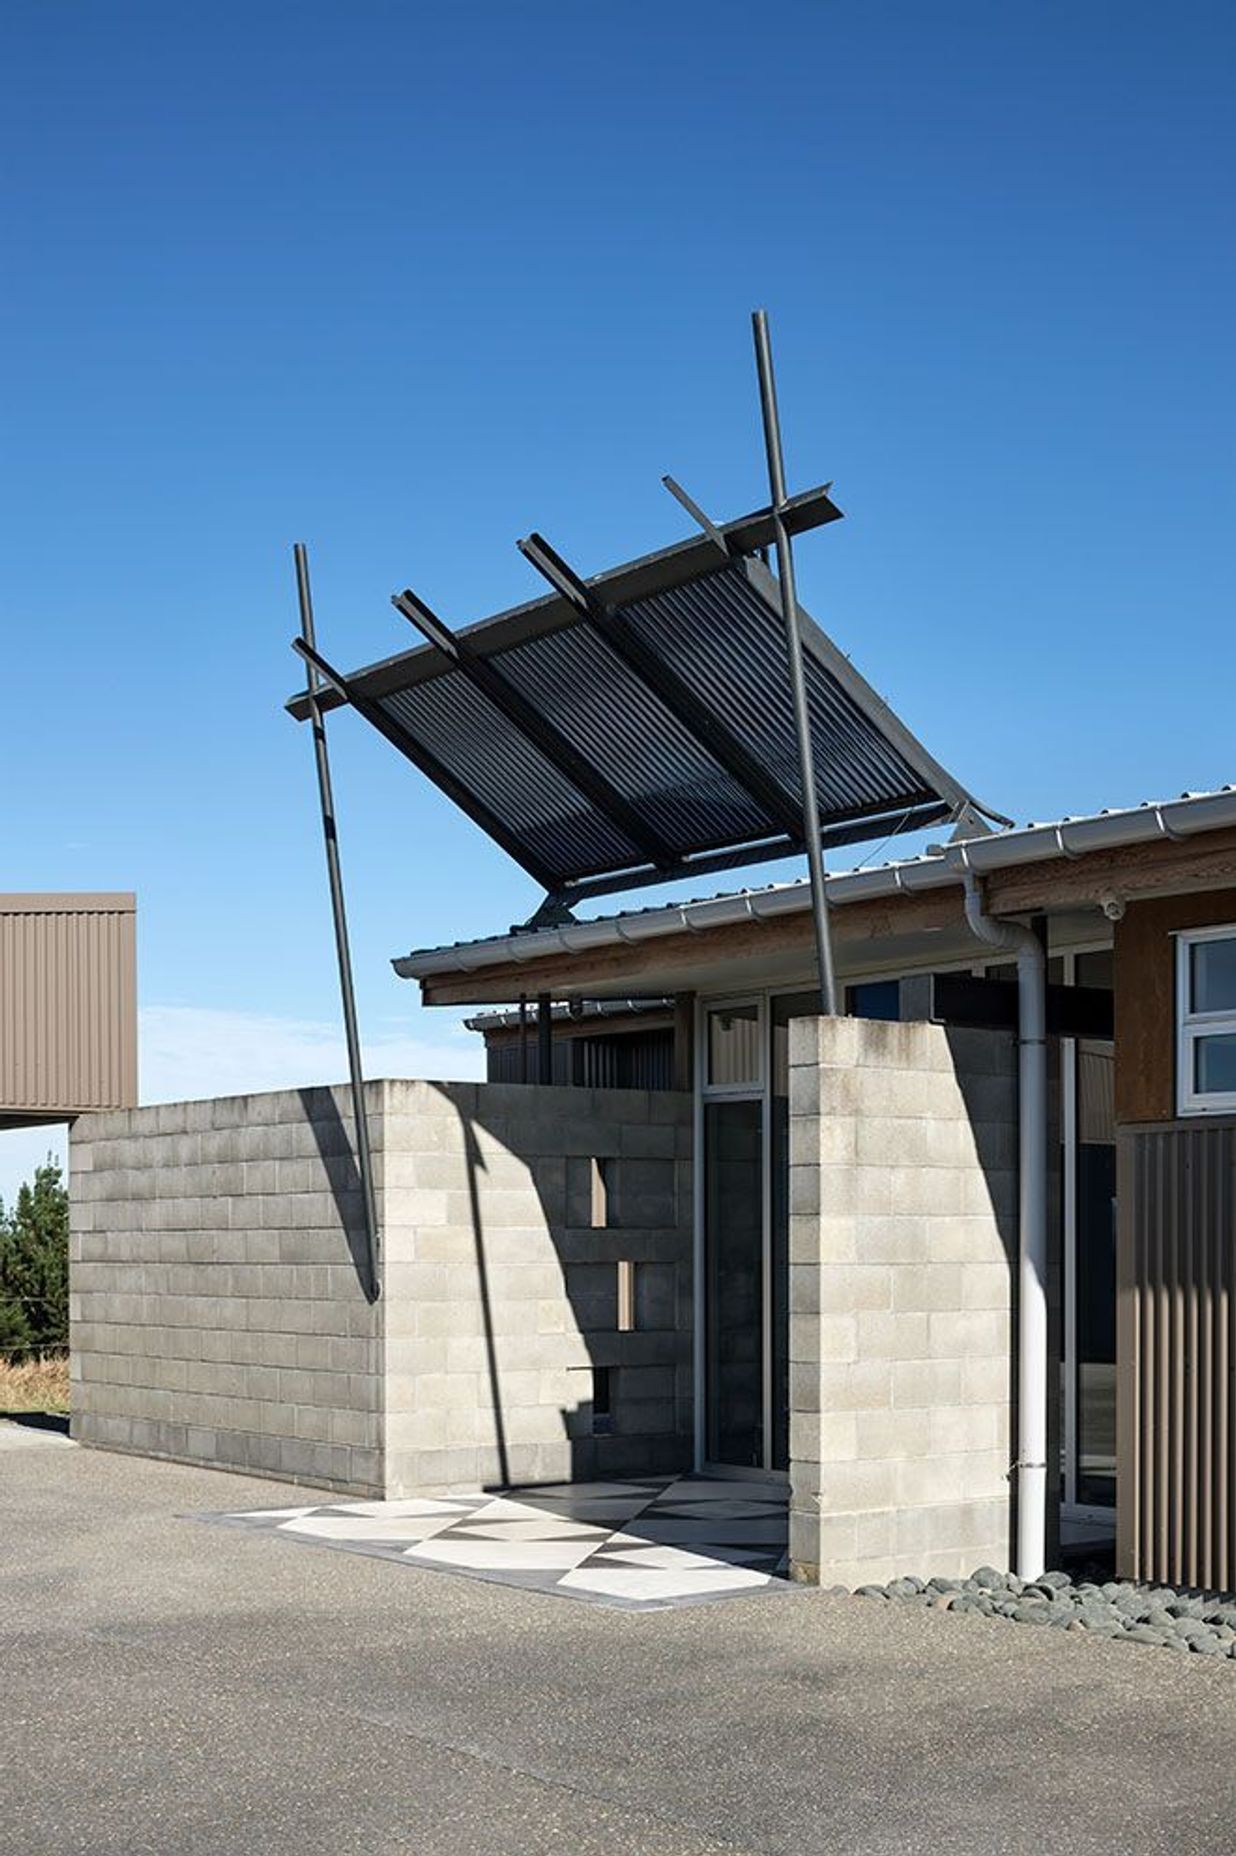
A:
{"x":347,"y":1188}
{"x":475,"y":1162}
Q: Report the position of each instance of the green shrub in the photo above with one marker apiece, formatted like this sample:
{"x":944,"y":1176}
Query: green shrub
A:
{"x":34,"y":1266}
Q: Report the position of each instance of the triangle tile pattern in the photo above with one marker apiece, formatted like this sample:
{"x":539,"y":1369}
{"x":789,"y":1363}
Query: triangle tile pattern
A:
{"x":637,"y":1545}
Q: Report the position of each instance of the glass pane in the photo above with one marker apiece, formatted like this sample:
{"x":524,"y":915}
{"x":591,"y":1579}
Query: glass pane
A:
{"x":1213,"y":975}
{"x":1096,"y":1101}
{"x":789,"y":1005}
{"x":734,"y":1044}
{"x":1214,"y":1064}
{"x":1095,"y":969}
{"x":734,"y":1282}
{"x":874,"y":999}
{"x":1096,"y":1275}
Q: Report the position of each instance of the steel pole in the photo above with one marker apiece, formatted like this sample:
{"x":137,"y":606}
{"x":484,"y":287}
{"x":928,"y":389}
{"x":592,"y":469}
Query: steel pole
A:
{"x":794,"y":652}
{"x":364,"y":1159}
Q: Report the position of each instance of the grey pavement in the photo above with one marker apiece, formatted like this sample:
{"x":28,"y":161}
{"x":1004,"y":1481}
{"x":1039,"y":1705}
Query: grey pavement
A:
{"x":173,"y":1687}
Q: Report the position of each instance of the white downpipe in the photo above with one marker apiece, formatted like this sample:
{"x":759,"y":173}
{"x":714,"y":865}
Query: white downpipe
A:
{"x":1030,"y":1464}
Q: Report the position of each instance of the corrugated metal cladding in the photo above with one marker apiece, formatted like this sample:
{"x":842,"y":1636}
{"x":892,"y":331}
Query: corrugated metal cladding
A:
{"x":68,"y":1004}
{"x":721,"y":635}
{"x":1176,"y":1344}
{"x":638,"y":1060}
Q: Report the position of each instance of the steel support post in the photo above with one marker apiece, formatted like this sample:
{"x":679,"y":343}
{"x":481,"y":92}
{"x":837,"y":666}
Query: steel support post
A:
{"x":794,"y":652}
{"x":330,"y":834}
{"x":544,"y":1038}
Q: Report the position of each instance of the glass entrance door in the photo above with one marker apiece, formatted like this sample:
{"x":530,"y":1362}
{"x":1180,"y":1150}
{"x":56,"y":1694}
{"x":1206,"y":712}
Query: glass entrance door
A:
{"x":1089,"y":1363}
{"x":744,"y":1231}
{"x":734,"y":1281}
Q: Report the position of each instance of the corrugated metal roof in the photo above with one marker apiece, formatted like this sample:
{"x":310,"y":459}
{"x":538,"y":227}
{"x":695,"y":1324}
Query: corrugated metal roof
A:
{"x":654,"y":787}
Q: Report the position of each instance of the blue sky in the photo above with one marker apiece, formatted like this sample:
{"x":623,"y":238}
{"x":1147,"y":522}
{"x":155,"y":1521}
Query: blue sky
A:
{"x":407,"y":281}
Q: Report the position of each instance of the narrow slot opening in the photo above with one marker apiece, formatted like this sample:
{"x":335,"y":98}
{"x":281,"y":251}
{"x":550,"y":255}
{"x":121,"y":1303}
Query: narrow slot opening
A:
{"x":600,"y":1192}
{"x":626,"y":1296}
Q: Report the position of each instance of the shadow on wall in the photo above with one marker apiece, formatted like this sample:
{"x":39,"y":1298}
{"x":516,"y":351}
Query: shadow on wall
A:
{"x":994,"y":1128}
{"x":336,"y":1148}
{"x":557,"y":1284}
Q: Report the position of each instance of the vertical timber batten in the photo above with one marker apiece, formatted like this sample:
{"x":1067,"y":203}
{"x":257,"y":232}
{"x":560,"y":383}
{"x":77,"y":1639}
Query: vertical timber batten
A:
{"x":1176,"y":1427}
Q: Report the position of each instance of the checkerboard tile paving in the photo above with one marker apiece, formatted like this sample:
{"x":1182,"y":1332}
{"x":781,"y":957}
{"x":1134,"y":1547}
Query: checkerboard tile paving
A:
{"x":636,"y":1545}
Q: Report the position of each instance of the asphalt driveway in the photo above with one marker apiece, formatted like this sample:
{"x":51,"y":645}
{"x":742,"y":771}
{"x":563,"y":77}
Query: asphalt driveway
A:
{"x":173,"y":1687}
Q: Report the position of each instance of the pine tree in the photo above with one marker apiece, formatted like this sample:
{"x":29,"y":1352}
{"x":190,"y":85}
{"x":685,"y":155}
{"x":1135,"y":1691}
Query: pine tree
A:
{"x":34,"y":1266}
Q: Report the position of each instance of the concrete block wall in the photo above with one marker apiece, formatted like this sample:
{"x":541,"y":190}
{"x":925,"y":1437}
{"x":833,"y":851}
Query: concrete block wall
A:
{"x":903,"y":1183}
{"x":217,"y":1314}
{"x":503,"y":1294}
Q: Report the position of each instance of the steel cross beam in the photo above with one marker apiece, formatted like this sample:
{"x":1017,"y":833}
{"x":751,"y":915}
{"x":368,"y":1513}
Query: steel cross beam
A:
{"x":429,"y":765}
{"x":677,"y":695}
{"x":698,"y":515}
{"x":544,"y":735}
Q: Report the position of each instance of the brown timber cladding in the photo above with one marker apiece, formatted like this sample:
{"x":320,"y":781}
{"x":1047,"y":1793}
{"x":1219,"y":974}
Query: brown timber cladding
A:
{"x":1176,"y":1420}
{"x":1145,"y":948}
{"x":68,"y":1005}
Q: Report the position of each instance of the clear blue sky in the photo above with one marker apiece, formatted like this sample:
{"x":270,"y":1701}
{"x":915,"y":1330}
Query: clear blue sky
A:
{"x":407,"y":280}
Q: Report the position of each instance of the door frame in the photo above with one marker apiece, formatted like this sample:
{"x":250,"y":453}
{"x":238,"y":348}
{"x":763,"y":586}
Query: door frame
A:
{"x":758,"y":1090}
{"x":1071,"y":1510}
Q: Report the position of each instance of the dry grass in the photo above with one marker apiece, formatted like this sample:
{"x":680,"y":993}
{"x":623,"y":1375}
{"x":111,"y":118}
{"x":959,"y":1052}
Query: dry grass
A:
{"x":35,"y":1385}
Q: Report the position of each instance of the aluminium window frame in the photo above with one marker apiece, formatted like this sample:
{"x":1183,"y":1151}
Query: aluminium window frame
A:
{"x":1191,"y":1025}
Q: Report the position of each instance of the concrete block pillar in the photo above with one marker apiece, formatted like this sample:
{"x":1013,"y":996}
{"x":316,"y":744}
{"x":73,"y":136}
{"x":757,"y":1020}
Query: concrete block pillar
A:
{"x":902,"y":1243}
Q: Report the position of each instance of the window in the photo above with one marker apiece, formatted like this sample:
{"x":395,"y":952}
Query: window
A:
{"x":734,"y":1045}
{"x":1206,"y":1021}
{"x":874,"y":999}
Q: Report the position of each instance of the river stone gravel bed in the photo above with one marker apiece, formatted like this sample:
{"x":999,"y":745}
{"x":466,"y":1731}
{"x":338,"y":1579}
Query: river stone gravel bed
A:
{"x":1115,"y":1608}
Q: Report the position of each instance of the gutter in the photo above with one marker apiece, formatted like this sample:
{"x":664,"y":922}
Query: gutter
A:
{"x":1104,"y":831}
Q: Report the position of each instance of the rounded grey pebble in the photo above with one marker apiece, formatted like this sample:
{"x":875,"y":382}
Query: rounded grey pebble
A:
{"x":987,"y":1577}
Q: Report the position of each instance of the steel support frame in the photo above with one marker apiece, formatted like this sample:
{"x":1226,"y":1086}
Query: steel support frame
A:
{"x":917,"y":818}
{"x":330,"y":833}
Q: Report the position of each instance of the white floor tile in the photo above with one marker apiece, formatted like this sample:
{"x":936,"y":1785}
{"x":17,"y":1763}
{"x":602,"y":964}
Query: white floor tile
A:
{"x":359,"y":1527}
{"x":544,"y":1527}
{"x":650,"y":1584}
{"x":549,"y":1537}
{"x":421,"y":1504}
{"x":503,"y":1555}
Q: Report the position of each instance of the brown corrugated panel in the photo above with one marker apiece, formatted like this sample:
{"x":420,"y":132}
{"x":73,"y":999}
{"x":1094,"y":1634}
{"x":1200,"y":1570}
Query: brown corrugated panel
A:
{"x":1177,"y":1426}
{"x":68,"y":1003}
